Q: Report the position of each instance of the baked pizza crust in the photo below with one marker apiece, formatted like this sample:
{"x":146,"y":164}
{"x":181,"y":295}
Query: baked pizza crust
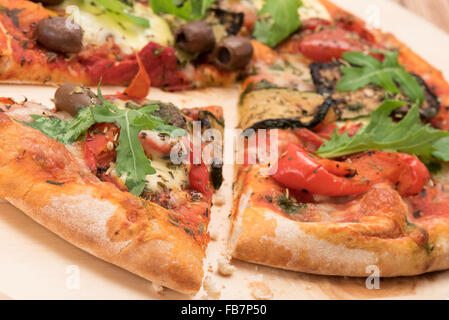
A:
{"x":261,"y":235}
{"x":42,"y":178}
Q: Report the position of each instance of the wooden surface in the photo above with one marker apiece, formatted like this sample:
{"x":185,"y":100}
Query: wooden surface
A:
{"x":34,"y":261}
{"x":435,"y":11}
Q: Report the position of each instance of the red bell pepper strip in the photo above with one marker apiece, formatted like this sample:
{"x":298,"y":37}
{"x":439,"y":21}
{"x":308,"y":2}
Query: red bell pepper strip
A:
{"x":331,"y":43}
{"x":299,"y":171}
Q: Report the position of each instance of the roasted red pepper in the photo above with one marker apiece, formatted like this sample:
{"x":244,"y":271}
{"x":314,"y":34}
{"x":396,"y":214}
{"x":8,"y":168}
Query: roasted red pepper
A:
{"x":331,"y":43}
{"x":300,"y":170}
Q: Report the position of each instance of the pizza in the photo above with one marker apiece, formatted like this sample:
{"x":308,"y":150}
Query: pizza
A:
{"x":344,"y":161}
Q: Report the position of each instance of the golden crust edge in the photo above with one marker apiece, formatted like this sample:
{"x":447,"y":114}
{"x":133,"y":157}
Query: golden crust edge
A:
{"x":163,"y":253}
{"x":260,"y":235}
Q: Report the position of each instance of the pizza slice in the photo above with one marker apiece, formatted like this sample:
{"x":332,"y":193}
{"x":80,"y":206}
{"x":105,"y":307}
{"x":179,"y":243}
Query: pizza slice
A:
{"x":356,"y":170}
{"x":116,"y":177}
{"x":79,"y":41}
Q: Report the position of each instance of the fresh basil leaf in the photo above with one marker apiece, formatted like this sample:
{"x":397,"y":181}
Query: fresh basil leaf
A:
{"x":277,"y":20}
{"x":387,"y":74}
{"x":185,"y":9}
{"x":409,"y":135}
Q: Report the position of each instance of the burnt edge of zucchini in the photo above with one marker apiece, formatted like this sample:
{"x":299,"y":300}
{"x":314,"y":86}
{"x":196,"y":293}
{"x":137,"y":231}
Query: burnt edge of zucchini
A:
{"x":232,"y":21}
{"x":323,"y":87}
{"x":326,"y":87}
{"x":323,"y":109}
{"x":205,"y":123}
{"x":259,"y":85}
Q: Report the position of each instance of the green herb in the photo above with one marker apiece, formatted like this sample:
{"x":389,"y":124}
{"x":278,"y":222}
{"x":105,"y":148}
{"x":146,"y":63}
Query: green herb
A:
{"x":63,"y":131}
{"x":119,"y":11}
{"x":185,"y":9}
{"x":277,"y":20}
{"x":289,"y":205}
{"x":131,"y":162}
{"x":366,"y":70}
{"x":409,"y":135}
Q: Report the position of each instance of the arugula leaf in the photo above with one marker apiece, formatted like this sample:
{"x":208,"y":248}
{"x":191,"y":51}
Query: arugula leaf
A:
{"x":276,"y":21}
{"x":119,"y":11}
{"x":366,"y":70}
{"x":131,"y":162}
{"x":63,"y":131}
{"x":185,"y":9}
{"x":409,"y":135}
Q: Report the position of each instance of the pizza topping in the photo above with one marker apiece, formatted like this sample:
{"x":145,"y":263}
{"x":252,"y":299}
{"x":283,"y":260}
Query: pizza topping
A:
{"x":361,"y":102}
{"x":216,"y":173}
{"x":366,"y":69}
{"x":195,"y":37}
{"x":71,"y":98}
{"x":170,"y":114}
{"x":289,"y":205}
{"x":409,"y":135}
{"x":129,"y":25}
{"x":187,"y":9}
{"x":330,"y":43}
{"x":304,"y":172}
{"x":60,"y":34}
{"x":277,"y":20}
{"x":233,"y":53}
{"x":271,"y":107}
{"x":299,"y":171}
{"x":131,"y":163}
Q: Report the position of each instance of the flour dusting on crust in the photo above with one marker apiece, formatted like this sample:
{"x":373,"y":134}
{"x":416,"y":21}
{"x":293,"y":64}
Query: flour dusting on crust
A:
{"x":84,"y":213}
{"x":290,"y":236}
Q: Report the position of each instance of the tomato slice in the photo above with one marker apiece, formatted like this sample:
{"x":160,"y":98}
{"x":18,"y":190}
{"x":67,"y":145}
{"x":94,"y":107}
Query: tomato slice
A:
{"x":331,"y":43}
{"x":99,"y":147}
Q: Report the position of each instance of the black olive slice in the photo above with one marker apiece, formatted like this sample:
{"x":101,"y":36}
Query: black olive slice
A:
{"x":233,"y":53}
{"x":195,"y":37}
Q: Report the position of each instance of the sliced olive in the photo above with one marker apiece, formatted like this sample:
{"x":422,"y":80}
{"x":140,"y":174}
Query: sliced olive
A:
{"x":195,"y":37}
{"x":233,"y":53}
{"x":60,"y":35}
{"x":49,"y":2}
{"x":73,"y":97}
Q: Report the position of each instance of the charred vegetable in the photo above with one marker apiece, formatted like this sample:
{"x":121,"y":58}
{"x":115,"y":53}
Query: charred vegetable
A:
{"x":169,"y":113}
{"x":285,"y":108}
{"x":232,"y":21}
{"x":362,"y":102}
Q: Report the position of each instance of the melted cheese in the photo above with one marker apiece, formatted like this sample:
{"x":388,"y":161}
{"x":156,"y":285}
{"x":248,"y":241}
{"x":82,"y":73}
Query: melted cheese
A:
{"x":98,"y":27}
{"x":167,"y":176}
{"x":311,"y":9}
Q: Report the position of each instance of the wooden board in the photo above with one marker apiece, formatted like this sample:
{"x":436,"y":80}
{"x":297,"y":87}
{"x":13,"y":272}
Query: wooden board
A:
{"x":36,"y":264}
{"x":434,"y":11}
